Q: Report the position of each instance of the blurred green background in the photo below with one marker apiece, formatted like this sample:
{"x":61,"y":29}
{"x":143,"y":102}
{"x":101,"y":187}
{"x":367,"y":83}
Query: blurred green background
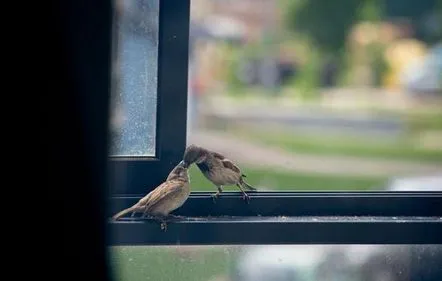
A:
{"x":308,"y":95}
{"x":170,"y":263}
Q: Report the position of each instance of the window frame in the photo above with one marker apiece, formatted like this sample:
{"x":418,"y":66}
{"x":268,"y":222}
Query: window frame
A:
{"x":146,"y":172}
{"x":290,"y":218}
{"x":270,"y":217}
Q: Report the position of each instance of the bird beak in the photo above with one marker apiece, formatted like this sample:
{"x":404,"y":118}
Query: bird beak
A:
{"x":182,"y":163}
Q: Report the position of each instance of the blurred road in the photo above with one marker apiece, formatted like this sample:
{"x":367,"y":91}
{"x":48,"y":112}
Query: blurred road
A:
{"x":315,"y":121}
{"x":258,"y":155}
{"x":337,"y":111}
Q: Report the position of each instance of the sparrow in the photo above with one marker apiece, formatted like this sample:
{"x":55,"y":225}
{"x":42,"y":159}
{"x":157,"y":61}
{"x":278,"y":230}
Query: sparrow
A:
{"x":165,"y":198}
{"x":217,"y":169}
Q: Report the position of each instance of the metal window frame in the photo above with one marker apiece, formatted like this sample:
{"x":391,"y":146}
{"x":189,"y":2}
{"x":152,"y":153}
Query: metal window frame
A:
{"x":290,"y":218}
{"x":271,"y":217}
{"x":142,"y":174}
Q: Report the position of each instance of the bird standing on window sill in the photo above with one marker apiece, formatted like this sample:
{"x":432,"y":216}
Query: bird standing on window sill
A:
{"x":167,"y":197}
{"x":217,"y":168}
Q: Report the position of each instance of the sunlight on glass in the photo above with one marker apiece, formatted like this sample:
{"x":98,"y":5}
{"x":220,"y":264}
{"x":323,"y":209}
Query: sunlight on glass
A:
{"x":135,"y":67}
{"x":279,"y":263}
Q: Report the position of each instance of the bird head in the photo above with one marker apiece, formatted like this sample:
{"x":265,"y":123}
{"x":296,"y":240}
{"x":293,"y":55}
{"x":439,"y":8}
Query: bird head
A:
{"x":180,"y":171}
{"x":194,"y":154}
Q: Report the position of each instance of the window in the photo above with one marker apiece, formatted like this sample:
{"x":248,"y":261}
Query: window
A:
{"x":155,"y":134}
{"x":272,"y":217}
{"x":380,"y":218}
{"x":289,"y":217}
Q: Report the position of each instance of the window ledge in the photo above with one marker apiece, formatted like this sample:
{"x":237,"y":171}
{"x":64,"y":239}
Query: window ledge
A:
{"x":302,"y":204}
{"x":236,"y":230}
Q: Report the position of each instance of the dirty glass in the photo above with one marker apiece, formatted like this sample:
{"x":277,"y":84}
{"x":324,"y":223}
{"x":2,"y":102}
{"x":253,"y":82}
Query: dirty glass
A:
{"x":134,"y":73}
{"x":279,"y":263}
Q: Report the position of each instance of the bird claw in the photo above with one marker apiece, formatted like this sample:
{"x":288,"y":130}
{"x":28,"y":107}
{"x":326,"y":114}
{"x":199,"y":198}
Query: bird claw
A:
{"x":246,"y":197}
{"x":214,"y":197}
{"x":163,"y":226}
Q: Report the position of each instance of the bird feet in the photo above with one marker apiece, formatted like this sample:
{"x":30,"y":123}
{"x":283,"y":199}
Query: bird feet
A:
{"x":217,"y":194}
{"x":163,"y":226}
{"x":162,"y":220}
{"x":246,"y":197}
{"x":168,"y":218}
{"x":214,"y":197}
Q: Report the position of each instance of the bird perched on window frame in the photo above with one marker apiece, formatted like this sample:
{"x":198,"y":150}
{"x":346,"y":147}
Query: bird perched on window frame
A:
{"x":167,"y":197}
{"x":217,"y":169}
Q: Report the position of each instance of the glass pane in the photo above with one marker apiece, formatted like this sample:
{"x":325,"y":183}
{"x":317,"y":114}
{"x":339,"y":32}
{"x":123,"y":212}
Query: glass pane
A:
{"x":319,"y":95}
{"x":135,"y":68}
{"x":279,"y":263}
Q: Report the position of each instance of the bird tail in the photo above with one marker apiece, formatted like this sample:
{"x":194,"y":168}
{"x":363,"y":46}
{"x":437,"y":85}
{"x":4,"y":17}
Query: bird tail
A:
{"x":124,"y":212}
{"x":245,"y":184}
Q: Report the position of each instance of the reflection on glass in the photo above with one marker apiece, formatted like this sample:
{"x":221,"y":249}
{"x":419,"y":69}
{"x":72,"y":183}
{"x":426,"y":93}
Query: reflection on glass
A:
{"x":302,"y":104}
{"x":134,"y":99}
{"x":279,"y":263}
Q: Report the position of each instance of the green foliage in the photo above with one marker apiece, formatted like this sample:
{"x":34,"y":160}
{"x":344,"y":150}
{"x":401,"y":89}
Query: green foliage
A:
{"x":327,"y":23}
{"x":378,"y":62}
{"x":306,"y":83}
{"x":417,"y":13}
{"x":236,"y":56}
{"x":371,"y":10}
{"x":234,"y":85}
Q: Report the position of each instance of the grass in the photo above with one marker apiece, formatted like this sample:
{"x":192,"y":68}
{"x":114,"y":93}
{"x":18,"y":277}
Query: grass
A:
{"x":338,"y":145}
{"x":418,"y":121}
{"x":268,"y":179}
{"x":140,"y":263}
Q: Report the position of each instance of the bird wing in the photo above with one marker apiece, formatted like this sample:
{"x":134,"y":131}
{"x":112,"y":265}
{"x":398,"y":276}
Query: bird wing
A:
{"x":163,"y":192}
{"x":229,"y":165}
{"x":218,"y":156}
{"x":226,"y":162}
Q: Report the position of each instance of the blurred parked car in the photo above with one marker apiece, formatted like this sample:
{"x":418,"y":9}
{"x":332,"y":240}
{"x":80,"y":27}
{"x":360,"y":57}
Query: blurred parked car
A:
{"x":424,"y":75}
{"x":266,"y":71}
{"x":278,"y":263}
{"x":339,"y":263}
{"x":417,"y":183}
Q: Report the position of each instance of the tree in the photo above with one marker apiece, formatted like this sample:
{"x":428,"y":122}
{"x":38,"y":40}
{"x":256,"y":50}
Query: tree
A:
{"x":325,"y":23}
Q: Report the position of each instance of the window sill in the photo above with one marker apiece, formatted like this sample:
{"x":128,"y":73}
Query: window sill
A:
{"x":278,"y":230}
{"x":300,"y":204}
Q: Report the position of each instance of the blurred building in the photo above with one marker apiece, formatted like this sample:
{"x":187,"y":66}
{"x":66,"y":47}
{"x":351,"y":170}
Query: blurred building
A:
{"x":238,"y":22}
{"x":258,"y":16}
